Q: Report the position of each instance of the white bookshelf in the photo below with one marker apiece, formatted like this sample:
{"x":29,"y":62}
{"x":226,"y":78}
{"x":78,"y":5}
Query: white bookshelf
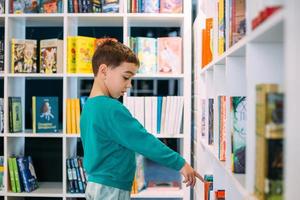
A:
{"x":14,"y":85}
{"x":266,"y":54}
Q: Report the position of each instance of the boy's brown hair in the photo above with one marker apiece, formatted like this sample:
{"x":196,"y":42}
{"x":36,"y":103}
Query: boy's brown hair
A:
{"x":113,"y":54}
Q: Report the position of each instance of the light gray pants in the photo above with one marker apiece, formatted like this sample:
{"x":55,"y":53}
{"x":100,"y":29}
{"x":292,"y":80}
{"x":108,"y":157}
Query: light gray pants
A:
{"x":96,"y":191}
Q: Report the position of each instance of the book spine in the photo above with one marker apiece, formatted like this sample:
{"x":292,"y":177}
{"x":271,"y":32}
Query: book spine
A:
{"x":33,"y":114}
{"x":11,"y":175}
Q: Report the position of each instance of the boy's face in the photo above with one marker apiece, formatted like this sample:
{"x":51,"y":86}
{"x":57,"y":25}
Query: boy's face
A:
{"x":118,"y":79}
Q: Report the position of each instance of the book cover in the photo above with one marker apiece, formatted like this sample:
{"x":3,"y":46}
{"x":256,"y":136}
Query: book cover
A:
{"x":96,"y":6}
{"x":221,"y":27}
{"x":18,"y":181}
{"x":171,"y":6}
{"x":110,"y":6}
{"x":238,"y":132}
{"x":151,"y":6}
{"x":18,"y":6}
{"x":147,"y":48}
{"x":15,"y":114}
{"x":31,"y":6}
{"x":71,"y":54}
{"x":169,"y":55}
{"x":84,"y":52}
{"x":51,"y":56}
{"x":24,"y":56}
{"x":45,"y":114}
{"x":11,"y":175}
{"x":49,"y":6}
{"x":27,"y":173}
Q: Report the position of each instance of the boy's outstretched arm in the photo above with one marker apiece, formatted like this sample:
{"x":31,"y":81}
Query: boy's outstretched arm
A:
{"x":128,"y":132}
{"x":190,"y":175}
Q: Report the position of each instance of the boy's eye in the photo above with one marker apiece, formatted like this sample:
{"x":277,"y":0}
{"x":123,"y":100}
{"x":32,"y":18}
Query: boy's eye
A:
{"x":126,"y":78}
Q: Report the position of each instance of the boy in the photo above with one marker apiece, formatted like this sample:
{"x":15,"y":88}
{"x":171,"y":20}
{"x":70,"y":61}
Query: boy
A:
{"x":111,"y":136}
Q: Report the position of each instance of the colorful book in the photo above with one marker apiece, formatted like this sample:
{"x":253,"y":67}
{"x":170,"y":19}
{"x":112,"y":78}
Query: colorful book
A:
{"x":222,"y":128}
{"x":110,"y":6}
{"x":169,"y":55}
{"x":238,"y":133}
{"x":171,"y":6}
{"x":84,"y":52}
{"x":147,"y":48}
{"x":51,"y":56}
{"x":221,"y":27}
{"x":24,"y":56}
{"x":238,"y":21}
{"x":151,"y":6}
{"x":45,"y":114}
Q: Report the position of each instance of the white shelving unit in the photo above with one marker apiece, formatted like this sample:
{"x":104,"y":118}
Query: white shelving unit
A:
{"x":266,"y":54}
{"x":15,"y":85}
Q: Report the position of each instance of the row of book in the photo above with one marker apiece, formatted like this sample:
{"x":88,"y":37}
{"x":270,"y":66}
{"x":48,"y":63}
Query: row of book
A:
{"x":35,"y":6}
{"x":158,"y":55}
{"x":93,"y":6}
{"x":22,"y":175}
{"x":76,"y":175}
{"x":74,"y":108}
{"x":159,"y":115}
{"x":44,"y":114}
{"x":237,"y":123}
{"x":236,"y":26}
{"x":155,"y":6}
{"x":24,"y":56}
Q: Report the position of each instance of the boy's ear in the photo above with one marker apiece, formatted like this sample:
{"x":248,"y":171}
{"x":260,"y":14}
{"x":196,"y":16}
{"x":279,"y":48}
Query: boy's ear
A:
{"x":103,"y":69}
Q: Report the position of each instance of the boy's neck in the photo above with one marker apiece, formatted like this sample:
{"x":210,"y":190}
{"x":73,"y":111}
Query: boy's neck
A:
{"x":98,"y":88}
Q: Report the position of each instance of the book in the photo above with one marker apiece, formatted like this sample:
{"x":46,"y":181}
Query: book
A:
{"x":15,"y":114}
{"x":23,"y":56}
{"x":110,"y":6}
{"x":51,"y":52}
{"x":222,"y":127}
{"x":44,"y":114}
{"x":238,"y":133}
{"x":169,"y":53}
{"x":238,"y":21}
{"x":171,"y":6}
{"x":1,"y":55}
{"x":221,"y":27}
{"x":83,"y":54}
{"x":27,"y":173}
{"x":151,"y":6}
{"x":2,"y":6}
{"x":210,"y":121}
{"x":11,"y":175}
{"x":147,"y":48}
{"x":1,"y":173}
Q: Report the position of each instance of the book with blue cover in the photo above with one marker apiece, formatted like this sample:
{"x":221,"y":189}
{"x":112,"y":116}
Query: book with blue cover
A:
{"x":45,"y":114}
{"x":27,"y":173}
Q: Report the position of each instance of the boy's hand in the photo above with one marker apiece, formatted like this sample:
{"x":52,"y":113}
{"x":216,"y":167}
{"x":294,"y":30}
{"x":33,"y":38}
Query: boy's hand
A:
{"x":190,"y":175}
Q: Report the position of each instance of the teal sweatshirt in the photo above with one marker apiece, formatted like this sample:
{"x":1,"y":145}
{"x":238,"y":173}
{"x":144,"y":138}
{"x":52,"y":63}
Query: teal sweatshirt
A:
{"x":111,"y":136}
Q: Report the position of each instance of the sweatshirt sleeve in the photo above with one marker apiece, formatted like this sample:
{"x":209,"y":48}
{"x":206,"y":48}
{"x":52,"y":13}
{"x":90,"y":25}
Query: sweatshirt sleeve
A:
{"x":128,"y":132}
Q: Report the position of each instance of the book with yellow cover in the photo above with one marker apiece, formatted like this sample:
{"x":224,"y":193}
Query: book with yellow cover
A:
{"x":84,"y":51}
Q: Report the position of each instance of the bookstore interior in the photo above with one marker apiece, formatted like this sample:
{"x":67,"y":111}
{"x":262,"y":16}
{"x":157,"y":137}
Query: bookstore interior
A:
{"x":217,"y":83}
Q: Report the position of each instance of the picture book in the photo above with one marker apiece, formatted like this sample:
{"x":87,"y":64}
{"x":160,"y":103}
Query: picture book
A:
{"x":45,"y":114}
{"x":169,"y":55}
{"x":51,"y":56}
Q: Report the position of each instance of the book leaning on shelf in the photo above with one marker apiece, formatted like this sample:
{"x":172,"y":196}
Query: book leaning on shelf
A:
{"x":23,"y":56}
{"x":51,"y":56}
{"x":44,"y":114}
{"x":93,"y":6}
{"x":15,"y":114}
{"x":22,"y":175}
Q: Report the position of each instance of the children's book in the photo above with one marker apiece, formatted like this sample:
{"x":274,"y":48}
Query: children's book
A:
{"x":45,"y":114}
{"x":171,"y":6}
{"x":27,"y":173}
{"x":51,"y":56}
{"x":15,"y":114}
{"x":169,"y":55}
{"x":147,"y":55}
